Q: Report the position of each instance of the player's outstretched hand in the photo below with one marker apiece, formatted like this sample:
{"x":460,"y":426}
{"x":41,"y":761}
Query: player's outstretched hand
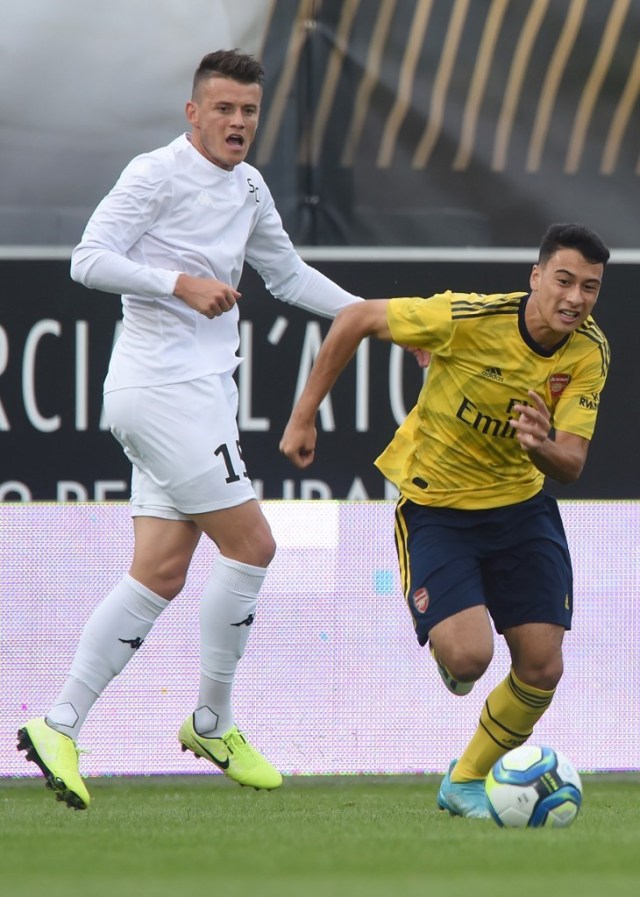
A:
{"x":298,"y":443}
{"x":534,"y":423}
{"x":206,"y":295}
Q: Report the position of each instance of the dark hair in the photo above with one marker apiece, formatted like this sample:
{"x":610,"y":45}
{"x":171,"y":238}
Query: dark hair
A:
{"x":573,"y":236}
{"x":228,"y":64}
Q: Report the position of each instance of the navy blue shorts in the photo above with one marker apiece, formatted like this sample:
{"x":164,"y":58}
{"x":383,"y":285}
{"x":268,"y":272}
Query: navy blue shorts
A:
{"x":513,"y":560}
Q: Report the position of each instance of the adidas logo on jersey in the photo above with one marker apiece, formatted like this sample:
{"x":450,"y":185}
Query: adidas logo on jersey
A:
{"x":203,"y":199}
{"x":493,"y":374}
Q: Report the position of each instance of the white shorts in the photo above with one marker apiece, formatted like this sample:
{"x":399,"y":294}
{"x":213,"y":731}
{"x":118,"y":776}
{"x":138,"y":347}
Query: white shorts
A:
{"x":183,"y":442}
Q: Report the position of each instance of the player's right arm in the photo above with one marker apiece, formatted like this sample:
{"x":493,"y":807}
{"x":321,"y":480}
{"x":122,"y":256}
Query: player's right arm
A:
{"x":102,"y":260}
{"x":349,"y":328}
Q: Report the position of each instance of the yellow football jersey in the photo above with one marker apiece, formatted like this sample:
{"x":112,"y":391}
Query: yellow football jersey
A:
{"x":456,"y":447}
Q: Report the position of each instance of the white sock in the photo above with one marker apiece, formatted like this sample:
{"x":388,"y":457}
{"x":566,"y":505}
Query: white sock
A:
{"x":111,"y":636}
{"x":227,"y":609}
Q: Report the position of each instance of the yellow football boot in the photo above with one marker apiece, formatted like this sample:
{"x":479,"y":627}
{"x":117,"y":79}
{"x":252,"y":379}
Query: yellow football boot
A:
{"x":233,"y":754}
{"x":57,"y":756}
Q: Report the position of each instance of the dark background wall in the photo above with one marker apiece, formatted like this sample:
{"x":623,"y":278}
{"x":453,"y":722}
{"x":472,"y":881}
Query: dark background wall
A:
{"x":56,"y":337}
{"x":451,"y":123}
{"x":385,"y":122}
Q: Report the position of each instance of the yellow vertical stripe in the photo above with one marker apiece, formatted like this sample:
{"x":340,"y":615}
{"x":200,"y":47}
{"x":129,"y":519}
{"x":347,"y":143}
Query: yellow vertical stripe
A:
{"x":401,"y":537}
{"x":515,"y":80}
{"x":479,"y":78}
{"x":405,"y":87}
{"x":369,"y":80}
{"x":552,"y":83}
{"x":621,"y":119}
{"x":594,"y":83}
{"x":435,"y":112}
{"x":299,"y":32}
{"x":311,"y":146}
{"x":267,"y":26}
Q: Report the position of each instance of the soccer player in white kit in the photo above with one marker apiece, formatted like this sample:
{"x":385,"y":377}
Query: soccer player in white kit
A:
{"x":172,"y":237}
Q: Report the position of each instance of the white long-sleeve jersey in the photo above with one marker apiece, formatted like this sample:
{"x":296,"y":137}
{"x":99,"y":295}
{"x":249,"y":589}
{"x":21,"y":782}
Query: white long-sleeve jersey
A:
{"x":173,"y":212}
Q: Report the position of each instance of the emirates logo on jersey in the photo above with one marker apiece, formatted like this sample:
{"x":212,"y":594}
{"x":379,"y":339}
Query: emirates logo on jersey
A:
{"x":421,"y":600}
{"x":558,"y":383}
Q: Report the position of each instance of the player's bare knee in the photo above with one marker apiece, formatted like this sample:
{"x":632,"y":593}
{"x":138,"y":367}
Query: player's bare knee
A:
{"x":466,"y":665}
{"x":469,"y":670}
{"x":258,"y":549}
{"x":167,"y":579}
{"x":544,"y":674}
{"x":265,"y":548}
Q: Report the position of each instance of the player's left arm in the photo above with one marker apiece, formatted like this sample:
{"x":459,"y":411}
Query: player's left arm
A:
{"x":562,"y":457}
{"x":286,"y":275}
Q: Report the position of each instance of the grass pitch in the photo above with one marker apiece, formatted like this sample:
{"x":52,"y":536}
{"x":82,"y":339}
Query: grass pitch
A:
{"x":314,"y":837}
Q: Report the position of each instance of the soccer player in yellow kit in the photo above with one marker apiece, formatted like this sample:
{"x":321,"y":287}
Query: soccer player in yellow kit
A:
{"x":511,"y":397}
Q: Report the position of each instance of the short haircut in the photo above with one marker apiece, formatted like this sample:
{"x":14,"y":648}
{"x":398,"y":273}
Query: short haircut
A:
{"x":573,"y":236}
{"x":228,"y":64}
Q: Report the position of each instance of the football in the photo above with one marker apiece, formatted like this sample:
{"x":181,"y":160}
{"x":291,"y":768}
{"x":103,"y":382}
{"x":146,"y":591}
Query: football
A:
{"x":533,"y":786}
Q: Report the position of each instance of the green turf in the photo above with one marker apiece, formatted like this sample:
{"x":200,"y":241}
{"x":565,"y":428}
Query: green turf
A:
{"x":315,"y":837}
